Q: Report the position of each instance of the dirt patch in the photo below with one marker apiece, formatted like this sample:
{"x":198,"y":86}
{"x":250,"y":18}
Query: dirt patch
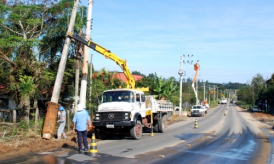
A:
{"x":175,"y":118}
{"x":263,"y":117}
{"x":10,"y":147}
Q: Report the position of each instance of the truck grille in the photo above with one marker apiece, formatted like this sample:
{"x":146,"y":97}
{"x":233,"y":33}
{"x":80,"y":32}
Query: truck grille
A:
{"x":112,"y":116}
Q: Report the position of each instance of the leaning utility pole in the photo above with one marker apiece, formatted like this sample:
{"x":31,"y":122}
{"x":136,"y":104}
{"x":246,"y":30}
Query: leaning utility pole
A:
{"x":83,"y":91}
{"x":52,"y":106}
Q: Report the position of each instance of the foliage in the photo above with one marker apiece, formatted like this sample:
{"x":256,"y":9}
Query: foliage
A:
{"x":31,"y":37}
{"x":260,"y":91}
{"x":23,"y":125}
{"x":163,"y":87}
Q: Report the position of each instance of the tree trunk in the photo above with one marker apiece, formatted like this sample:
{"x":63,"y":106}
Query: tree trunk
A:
{"x":53,"y":106}
{"x":36,"y":115}
{"x":25,"y":106}
{"x":14,"y":119}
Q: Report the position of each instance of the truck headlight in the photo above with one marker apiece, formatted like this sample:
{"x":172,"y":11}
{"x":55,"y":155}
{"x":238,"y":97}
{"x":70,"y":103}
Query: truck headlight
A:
{"x":126,"y":116}
{"x":97,"y":118}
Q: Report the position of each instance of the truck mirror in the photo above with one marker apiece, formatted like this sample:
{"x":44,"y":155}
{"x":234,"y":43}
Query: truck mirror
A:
{"x":98,"y":100}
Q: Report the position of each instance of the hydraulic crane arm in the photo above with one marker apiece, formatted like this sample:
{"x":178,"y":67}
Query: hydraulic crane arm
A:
{"x":196,"y":68}
{"x":122,"y":63}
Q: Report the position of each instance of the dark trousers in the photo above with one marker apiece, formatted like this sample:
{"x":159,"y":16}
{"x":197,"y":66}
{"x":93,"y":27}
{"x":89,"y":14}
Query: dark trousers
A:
{"x":82,"y":135}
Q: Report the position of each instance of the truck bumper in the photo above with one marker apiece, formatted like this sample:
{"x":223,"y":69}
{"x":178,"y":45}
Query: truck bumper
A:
{"x":196,"y":114}
{"x":115,"y":123}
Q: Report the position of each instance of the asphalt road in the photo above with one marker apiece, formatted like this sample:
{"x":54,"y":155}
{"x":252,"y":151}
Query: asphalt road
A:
{"x":218,"y":139}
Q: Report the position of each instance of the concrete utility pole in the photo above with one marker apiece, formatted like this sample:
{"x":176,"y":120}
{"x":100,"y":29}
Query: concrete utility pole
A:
{"x":197,"y":100}
{"x":209,"y":95}
{"x":53,"y":105}
{"x":83,"y":91}
{"x":181,"y":85}
{"x":181,"y":73}
{"x":204,"y":91}
{"x":90,"y":83}
{"x":217,"y":93}
{"x":214,"y":92}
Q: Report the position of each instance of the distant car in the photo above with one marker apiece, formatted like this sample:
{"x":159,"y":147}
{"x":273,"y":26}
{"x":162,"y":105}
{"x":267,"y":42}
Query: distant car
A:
{"x":255,"y":109}
{"x":198,"y":110}
{"x":177,"y":108}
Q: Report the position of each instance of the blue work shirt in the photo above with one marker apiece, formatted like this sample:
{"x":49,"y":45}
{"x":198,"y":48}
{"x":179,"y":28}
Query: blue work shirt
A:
{"x":80,"y":118}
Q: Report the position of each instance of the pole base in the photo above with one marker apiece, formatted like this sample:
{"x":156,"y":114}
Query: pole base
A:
{"x":46,"y":136}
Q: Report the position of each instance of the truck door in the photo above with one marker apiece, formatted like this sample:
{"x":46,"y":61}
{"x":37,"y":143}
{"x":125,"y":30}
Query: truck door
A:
{"x":140,"y":100}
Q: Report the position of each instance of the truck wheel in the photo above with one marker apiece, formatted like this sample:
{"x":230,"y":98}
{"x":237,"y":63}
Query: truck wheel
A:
{"x":155,"y":126}
{"x":137,"y":131}
{"x":163,"y":124}
{"x":100,"y":134}
{"x":165,"y":117}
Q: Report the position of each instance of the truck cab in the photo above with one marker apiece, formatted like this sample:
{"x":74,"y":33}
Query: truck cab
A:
{"x":119,"y":102}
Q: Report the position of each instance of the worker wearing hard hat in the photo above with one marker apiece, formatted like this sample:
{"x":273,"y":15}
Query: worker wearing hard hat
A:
{"x":80,"y":121}
{"x":62,"y":121}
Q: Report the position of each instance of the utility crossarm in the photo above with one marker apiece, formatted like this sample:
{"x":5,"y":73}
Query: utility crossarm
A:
{"x":122,"y":63}
{"x":196,"y":68}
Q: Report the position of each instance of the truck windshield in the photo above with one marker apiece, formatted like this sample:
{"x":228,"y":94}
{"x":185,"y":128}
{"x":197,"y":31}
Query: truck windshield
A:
{"x":196,"y":107}
{"x":118,"y":96}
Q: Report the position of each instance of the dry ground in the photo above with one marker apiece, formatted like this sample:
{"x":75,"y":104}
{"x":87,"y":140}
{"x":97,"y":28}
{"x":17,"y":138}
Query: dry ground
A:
{"x":22,"y":145}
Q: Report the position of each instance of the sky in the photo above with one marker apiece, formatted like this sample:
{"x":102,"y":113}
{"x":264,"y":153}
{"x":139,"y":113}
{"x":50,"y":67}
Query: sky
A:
{"x":233,"y":40}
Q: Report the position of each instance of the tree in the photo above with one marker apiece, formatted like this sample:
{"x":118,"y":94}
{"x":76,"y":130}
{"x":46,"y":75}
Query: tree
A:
{"x":164,"y":88}
{"x":27,"y":36}
{"x":257,"y":84}
{"x":136,"y":73}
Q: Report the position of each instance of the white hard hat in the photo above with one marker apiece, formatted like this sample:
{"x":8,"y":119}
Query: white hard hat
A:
{"x":80,"y":107}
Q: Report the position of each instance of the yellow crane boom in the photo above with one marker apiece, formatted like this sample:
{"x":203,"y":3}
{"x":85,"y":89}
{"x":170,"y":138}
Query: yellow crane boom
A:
{"x":109,"y":55}
{"x":196,"y":68}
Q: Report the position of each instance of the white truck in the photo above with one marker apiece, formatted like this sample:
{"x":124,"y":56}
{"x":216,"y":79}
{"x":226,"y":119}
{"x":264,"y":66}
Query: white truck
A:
{"x":126,"y":110}
{"x":198,"y":110}
{"x":129,"y":111}
{"x":224,"y":101}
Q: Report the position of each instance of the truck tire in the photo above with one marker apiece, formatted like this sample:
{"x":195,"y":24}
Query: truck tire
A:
{"x":100,"y":134}
{"x":163,"y":124}
{"x":137,"y":131}
{"x":155,"y":126}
